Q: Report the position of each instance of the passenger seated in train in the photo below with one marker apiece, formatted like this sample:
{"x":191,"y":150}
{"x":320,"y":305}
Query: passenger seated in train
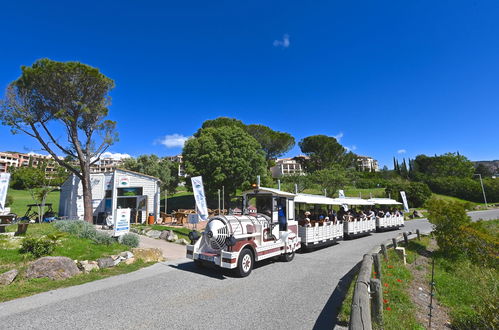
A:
{"x":341,"y":214}
{"x":381,"y":214}
{"x":361,"y":215}
{"x":332,"y":216}
{"x":387,"y":214}
{"x":371,"y":214}
{"x":307,"y":220}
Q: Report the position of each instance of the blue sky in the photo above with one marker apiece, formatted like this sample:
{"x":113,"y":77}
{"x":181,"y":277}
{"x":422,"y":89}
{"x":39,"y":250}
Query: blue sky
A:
{"x":391,"y":78}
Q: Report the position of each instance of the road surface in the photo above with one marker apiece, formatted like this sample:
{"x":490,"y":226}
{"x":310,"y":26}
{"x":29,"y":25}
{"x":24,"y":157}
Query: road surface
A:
{"x":302,"y":294}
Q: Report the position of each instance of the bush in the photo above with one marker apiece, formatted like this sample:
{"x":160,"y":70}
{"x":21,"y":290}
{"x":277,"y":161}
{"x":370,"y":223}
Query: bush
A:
{"x":465,"y":188}
{"x":38,"y":247}
{"x":448,"y":219}
{"x":417,"y":192}
{"x":129,"y":239}
{"x":83,"y":229}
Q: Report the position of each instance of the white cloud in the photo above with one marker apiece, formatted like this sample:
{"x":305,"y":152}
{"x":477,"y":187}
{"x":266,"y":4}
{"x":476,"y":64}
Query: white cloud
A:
{"x":114,"y":155}
{"x":401,"y":151}
{"x":172,"y":140}
{"x":352,"y":148}
{"x":338,"y":136}
{"x":284,"y":43}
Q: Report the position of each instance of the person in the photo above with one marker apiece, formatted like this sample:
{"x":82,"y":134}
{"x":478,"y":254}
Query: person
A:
{"x":341,"y":214}
{"x":387,"y":214}
{"x":362,"y":215}
{"x":371,"y":214}
{"x":307,"y":219}
{"x":281,"y":216}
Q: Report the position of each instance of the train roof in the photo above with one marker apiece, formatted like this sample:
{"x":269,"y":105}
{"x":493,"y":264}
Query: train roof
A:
{"x":314,"y":199}
{"x":269,"y":190}
{"x":384,"y":201}
{"x":351,"y":201}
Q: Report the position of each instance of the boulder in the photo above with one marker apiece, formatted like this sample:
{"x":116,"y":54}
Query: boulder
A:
{"x":418,"y":214}
{"x":88,"y":266}
{"x":126,"y":255}
{"x":171,"y":236}
{"x":55,"y":268}
{"x":182,"y":241}
{"x":129,"y":261}
{"x":105,"y":262}
{"x":153,"y":233}
{"x":164,"y":234}
{"x":148,"y":255}
{"x":8,"y":277}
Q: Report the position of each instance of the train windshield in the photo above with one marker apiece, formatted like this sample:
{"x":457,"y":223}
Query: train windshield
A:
{"x":259,"y":203}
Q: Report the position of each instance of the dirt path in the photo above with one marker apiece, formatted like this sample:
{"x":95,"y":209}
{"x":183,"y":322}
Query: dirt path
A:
{"x":419,"y":291}
{"x":171,"y":251}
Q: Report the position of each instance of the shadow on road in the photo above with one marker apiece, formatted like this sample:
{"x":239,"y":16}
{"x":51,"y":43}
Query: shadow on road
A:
{"x":328,"y":317}
{"x":213,"y":272}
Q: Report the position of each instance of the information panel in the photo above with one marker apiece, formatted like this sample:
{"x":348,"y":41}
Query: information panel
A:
{"x":121,"y":222}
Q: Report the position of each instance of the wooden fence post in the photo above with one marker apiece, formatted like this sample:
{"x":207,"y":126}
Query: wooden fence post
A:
{"x":360,"y":315}
{"x":419,"y":234}
{"x":377,"y":300}
{"x":377,"y":265}
{"x":406,"y":240}
{"x":394,"y":240}
{"x":383,"y":250}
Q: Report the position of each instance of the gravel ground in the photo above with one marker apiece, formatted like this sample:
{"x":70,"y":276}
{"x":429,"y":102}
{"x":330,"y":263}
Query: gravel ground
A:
{"x":302,"y":294}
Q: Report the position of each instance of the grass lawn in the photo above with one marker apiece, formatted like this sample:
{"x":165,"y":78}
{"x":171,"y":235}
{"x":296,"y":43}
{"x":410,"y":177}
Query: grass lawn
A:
{"x":69,"y":246}
{"x":23,"y":198}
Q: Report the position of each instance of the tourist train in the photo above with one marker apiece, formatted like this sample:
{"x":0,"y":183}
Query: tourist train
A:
{"x":275,"y":223}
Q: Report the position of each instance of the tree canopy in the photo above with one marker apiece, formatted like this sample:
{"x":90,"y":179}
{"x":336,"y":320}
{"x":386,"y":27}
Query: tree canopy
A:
{"x":225,"y":156}
{"x":72,"y":96}
{"x":325,"y":151}
{"x":273,"y":143}
{"x":446,"y":165}
{"x":162,"y":168}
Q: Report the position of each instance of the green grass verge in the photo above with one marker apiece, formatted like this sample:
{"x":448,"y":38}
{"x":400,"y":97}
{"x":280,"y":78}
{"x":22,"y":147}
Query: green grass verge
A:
{"x":68,"y":246}
{"x":23,"y":198}
{"x":23,"y":287}
{"x":346,"y":306}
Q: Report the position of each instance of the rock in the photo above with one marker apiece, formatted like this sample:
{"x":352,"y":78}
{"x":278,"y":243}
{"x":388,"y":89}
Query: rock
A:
{"x":8,"y":277}
{"x":153,"y":233}
{"x":171,"y":237}
{"x":129,"y":261}
{"x":148,"y":255}
{"x":105,"y":262}
{"x":88,"y":266}
{"x":418,"y":214}
{"x":182,"y":241}
{"x":126,"y":255}
{"x":164,"y":234}
{"x":55,"y":268}
{"x":135,"y":230}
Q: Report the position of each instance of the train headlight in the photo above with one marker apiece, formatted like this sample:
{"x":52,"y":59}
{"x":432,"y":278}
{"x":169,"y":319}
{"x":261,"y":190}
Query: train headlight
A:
{"x":230,"y":241}
{"x":193,"y":236}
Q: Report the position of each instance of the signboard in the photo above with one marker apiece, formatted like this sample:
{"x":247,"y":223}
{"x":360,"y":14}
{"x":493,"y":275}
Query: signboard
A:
{"x":199,"y":196}
{"x":124,"y":181}
{"x":4,"y":186}
{"x":404,"y":200}
{"x":193,"y":218}
{"x":121,"y":221}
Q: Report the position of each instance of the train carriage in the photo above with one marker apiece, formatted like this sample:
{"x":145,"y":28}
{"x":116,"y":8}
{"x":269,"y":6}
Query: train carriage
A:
{"x":391,"y":221}
{"x":355,"y":227}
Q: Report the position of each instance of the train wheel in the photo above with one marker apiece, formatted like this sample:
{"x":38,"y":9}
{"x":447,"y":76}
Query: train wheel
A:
{"x":245,"y":263}
{"x":287,"y":257}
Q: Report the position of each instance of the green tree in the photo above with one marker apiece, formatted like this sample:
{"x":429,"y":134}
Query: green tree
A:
{"x":224,"y":156}
{"x":161,"y":168}
{"x":220,"y":122}
{"x":330,"y":179}
{"x":273,"y":143}
{"x":325,"y":151}
{"x":446,"y":165}
{"x":483,"y":170}
{"x":417,"y":192}
{"x":73,"y":96}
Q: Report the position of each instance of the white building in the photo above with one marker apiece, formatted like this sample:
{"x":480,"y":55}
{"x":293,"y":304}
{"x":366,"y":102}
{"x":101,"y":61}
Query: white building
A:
{"x":367,"y":164}
{"x":179,"y":160}
{"x":288,"y":166}
{"x":110,"y":191}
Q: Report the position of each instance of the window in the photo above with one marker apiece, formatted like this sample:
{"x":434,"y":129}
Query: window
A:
{"x":129,"y":192}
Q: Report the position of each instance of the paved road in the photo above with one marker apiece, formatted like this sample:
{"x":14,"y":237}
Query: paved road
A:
{"x":302,"y":294}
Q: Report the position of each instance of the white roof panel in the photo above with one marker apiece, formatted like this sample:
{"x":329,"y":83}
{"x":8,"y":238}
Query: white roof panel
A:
{"x":270,"y":190}
{"x":384,"y":201}
{"x":352,"y":201}
{"x":314,"y":199}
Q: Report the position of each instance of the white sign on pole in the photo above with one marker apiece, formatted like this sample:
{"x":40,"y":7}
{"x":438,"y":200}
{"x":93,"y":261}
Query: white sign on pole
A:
{"x":121,"y":221}
{"x":4,"y":186}
{"x":199,"y":196}
{"x":404,"y":200}
{"x":193,"y":218}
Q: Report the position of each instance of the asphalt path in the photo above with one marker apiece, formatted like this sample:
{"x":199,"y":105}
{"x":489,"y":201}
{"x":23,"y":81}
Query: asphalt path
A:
{"x":302,"y":294}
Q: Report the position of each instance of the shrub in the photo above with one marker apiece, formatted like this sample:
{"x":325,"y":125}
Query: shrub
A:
{"x":38,"y":247}
{"x":83,"y":229}
{"x":448,"y":219}
{"x":417,"y":192}
{"x":129,"y":239}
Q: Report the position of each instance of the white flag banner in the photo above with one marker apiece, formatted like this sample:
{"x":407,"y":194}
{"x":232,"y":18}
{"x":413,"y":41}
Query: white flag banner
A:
{"x":341,"y":194}
{"x":404,"y":200}
{"x":200,"y":197}
{"x":4,"y":186}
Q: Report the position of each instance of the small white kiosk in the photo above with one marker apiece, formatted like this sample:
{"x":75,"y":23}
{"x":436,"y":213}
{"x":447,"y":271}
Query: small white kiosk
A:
{"x":120,"y":189}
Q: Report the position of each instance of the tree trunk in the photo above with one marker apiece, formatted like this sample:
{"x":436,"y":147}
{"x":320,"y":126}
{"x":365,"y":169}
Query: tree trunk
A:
{"x":87,"y":195}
